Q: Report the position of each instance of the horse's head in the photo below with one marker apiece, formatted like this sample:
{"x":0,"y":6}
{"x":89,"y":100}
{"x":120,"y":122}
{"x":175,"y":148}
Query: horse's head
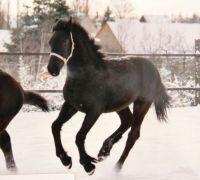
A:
{"x":62,"y":46}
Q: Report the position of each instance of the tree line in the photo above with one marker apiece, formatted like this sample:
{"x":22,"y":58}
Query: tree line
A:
{"x":195,"y":18}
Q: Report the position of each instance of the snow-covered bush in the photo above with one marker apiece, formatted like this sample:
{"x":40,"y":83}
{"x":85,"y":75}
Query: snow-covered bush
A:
{"x":179,"y":98}
{"x":29,"y":82}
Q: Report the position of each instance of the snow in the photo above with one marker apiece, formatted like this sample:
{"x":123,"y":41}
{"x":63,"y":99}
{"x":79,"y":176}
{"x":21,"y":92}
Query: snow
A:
{"x":39,"y":176}
{"x":5,"y":37}
{"x":136,"y":37}
{"x":165,"y":151}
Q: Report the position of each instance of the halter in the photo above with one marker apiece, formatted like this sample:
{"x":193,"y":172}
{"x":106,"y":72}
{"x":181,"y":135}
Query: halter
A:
{"x":65,"y":60}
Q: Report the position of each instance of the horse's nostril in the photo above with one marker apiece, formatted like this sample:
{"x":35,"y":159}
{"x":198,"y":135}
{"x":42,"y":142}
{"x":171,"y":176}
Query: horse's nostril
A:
{"x":54,"y":74}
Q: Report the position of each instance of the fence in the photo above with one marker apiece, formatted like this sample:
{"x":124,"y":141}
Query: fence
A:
{"x":179,"y":66}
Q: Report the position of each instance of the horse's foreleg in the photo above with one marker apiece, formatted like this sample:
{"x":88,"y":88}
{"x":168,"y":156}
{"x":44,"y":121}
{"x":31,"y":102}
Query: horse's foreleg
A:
{"x":140,"y":110}
{"x":65,"y":114}
{"x":85,"y":159}
{"x":5,"y":145}
{"x":126,"y":118}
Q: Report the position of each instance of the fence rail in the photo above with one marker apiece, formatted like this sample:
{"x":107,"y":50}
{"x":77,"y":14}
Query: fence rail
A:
{"x":169,"y":89}
{"x":181,"y":56}
{"x":106,"y":53}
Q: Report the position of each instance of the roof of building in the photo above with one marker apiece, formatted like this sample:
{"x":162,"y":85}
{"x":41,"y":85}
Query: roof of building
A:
{"x":136,"y":37}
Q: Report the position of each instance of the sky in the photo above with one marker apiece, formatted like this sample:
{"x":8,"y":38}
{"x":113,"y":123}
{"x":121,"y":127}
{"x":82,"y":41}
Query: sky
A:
{"x":169,"y":7}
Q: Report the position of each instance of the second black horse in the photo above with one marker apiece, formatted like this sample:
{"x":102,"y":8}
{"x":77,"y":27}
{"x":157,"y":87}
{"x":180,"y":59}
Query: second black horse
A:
{"x":12,"y":97}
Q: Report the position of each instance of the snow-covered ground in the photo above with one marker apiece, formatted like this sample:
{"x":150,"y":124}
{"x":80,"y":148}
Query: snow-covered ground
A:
{"x":165,"y":151}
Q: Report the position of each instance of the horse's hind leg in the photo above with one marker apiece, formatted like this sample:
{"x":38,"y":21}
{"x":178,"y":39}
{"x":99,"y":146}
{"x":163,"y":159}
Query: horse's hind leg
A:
{"x":66,"y":113}
{"x":5,"y":145}
{"x":126,"y":118}
{"x":139,"y":112}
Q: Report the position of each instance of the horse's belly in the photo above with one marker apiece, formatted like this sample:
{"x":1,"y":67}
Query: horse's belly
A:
{"x":117,"y":108}
{"x":112,"y":106}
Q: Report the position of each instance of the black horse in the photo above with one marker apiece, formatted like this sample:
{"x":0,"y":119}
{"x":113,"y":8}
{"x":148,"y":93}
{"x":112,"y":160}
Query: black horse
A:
{"x":95,"y":86}
{"x":12,"y":97}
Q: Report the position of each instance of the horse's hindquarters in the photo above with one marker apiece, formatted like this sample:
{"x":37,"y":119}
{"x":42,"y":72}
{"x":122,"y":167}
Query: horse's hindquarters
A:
{"x":11,"y":95}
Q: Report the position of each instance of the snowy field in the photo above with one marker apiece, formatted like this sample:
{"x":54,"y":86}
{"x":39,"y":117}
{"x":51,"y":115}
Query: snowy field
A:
{"x":165,"y":151}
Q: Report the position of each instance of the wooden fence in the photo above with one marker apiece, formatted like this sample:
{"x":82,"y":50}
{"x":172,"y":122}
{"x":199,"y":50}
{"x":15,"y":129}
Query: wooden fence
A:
{"x":182,"y":57}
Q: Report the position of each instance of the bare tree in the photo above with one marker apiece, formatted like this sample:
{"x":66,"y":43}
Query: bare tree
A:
{"x":8,"y":13}
{"x":123,"y":8}
{"x":81,"y":6}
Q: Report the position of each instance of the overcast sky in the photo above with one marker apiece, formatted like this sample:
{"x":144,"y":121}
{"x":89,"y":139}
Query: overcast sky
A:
{"x":168,"y":7}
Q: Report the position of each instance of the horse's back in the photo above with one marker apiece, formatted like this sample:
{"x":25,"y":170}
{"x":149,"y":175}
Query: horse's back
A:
{"x":136,"y":76}
{"x":137,"y":70}
{"x":132,"y":64}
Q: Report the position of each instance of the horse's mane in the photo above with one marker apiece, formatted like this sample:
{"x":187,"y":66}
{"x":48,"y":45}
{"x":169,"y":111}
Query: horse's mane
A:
{"x":76,"y":28}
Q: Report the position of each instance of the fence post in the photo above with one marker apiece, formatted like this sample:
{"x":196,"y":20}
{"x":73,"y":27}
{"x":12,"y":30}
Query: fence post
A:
{"x":197,"y":51}
{"x":196,"y":80}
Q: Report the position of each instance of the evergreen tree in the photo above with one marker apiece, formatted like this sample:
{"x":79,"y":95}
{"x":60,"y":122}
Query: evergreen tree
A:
{"x":107,"y":15}
{"x":34,"y":32}
{"x":39,"y":24}
{"x":58,"y":9}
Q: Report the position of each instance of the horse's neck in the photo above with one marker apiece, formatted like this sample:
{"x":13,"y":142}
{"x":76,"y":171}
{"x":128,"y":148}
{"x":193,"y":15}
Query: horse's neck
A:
{"x":84,"y":54}
{"x":2,"y":72}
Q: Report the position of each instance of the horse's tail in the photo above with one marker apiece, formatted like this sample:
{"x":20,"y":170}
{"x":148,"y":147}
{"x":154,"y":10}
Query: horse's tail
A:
{"x":162,"y":102}
{"x":36,"y":100}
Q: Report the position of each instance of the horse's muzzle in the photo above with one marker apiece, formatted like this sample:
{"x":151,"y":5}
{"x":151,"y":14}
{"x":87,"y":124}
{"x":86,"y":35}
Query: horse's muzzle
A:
{"x":53,"y":71}
{"x":54,"y":66}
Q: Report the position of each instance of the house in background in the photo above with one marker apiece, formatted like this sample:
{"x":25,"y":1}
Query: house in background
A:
{"x":132,"y":36}
{"x":108,"y":39}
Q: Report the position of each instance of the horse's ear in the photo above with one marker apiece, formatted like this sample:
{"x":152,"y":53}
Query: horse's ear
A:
{"x":56,"y":24}
{"x":70,"y":22}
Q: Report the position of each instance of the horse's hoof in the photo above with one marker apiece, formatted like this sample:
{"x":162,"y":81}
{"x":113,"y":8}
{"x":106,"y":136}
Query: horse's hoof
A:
{"x":66,"y":160}
{"x":69,"y":166}
{"x":91,"y":172}
{"x":90,"y":169}
{"x":118,"y":167}
{"x":103,"y":154}
{"x":101,"y":158}
{"x":12,"y":167}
